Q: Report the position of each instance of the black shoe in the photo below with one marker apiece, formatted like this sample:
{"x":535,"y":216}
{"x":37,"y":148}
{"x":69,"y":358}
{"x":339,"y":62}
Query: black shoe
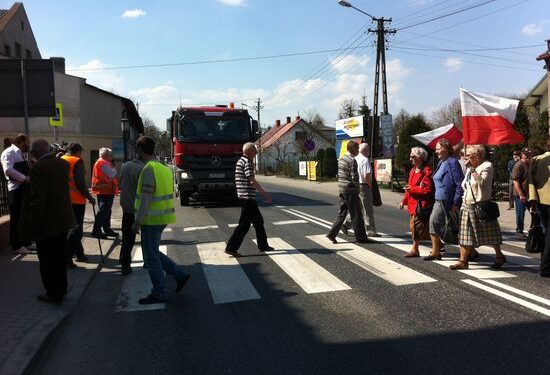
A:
{"x":126,"y":270}
{"x":332,"y":239}
{"x":46,"y":298}
{"x":269,"y":248}
{"x":234,"y":253}
{"x":366,"y":240}
{"x":182,"y":283}
{"x":151,"y":299}
{"x":71,"y":265}
{"x":432,"y":257}
{"x":99,"y":234}
{"x":344,"y":229}
{"x":111,"y":233}
{"x":82,"y":258}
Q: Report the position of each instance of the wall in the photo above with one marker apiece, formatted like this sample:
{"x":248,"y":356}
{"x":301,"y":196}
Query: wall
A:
{"x":13,"y":33}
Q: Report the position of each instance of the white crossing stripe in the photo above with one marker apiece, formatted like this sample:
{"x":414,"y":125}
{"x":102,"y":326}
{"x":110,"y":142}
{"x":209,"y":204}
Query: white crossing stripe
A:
{"x":387,"y":269}
{"x":191,"y":229}
{"x":310,"y":276}
{"x":520,"y":292}
{"x":232,"y":225}
{"x":168,"y":229}
{"x":288,"y":222}
{"x":508,"y":297}
{"x":225,"y":277}
{"x":137,"y":285}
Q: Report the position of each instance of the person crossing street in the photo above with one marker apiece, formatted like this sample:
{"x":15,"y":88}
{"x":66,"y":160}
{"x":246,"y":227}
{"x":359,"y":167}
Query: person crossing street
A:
{"x":155,"y":209}
{"x":104,"y":186}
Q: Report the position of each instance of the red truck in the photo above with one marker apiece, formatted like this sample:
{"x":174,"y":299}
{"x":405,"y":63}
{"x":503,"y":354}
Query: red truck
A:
{"x":206,"y":144}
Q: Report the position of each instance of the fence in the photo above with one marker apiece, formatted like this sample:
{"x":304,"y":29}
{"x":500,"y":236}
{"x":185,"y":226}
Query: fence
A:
{"x":4,"y":208}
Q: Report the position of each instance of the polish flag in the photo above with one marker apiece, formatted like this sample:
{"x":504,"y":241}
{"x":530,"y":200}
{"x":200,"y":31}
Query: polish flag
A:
{"x":488,"y":119}
{"x":449,"y":132}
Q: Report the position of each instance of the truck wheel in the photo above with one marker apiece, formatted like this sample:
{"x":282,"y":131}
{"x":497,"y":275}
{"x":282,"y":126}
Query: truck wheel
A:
{"x":184,"y":199}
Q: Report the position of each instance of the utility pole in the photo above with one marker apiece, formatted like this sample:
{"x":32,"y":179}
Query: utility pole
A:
{"x":546,"y":58}
{"x":257,"y":108}
{"x":381,"y":32}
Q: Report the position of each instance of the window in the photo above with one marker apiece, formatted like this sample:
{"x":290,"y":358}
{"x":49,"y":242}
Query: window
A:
{"x":28,"y":54}
{"x":7,"y":50}
{"x":17,"y":50}
{"x":300,"y":136}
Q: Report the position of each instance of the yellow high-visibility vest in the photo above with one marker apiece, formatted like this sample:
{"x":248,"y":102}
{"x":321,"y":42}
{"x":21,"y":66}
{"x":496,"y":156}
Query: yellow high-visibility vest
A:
{"x":161,"y":210}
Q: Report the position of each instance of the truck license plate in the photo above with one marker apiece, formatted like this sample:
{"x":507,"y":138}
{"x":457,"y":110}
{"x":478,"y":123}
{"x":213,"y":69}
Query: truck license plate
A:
{"x":216,"y":175}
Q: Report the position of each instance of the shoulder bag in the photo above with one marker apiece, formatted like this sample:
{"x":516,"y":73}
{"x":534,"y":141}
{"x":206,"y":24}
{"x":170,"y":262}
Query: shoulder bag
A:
{"x":485,"y":211}
{"x":535,"y":238}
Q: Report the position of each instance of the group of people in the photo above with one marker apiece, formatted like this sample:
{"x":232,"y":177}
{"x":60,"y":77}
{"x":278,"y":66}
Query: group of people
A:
{"x":47,"y":201}
{"x":451,"y":199}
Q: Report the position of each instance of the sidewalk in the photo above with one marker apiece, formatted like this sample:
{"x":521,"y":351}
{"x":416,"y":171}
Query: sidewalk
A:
{"x":507,"y":219}
{"x":25,"y":322}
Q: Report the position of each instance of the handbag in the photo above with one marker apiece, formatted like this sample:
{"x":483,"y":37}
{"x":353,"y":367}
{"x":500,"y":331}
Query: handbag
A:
{"x":485,"y":211}
{"x":450,"y":230}
{"x":376,"y":198}
{"x":535,"y":238}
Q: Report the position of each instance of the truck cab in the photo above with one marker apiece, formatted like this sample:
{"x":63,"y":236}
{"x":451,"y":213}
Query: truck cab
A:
{"x":206,"y":144}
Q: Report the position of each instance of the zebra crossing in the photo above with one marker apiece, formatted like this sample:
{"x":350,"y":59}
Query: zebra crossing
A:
{"x":228,"y":282}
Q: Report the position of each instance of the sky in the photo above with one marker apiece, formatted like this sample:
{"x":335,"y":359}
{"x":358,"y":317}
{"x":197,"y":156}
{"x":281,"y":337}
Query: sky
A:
{"x":297,"y":56}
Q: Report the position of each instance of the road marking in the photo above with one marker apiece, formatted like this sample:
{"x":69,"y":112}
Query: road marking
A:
{"x":167,"y":229}
{"x":303,"y":216}
{"x":137,"y":285}
{"x":508,"y":297}
{"x":232,"y":225}
{"x":310,"y":276}
{"x":477,"y":269}
{"x":387,"y":269}
{"x":288,"y":222}
{"x":191,"y":229}
{"x":225,"y":277}
{"x":520,"y":292}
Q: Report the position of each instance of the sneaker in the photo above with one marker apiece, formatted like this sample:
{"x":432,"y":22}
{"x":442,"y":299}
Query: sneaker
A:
{"x":82,"y":258}
{"x":151,"y":300}
{"x":182,"y":283}
{"x":111,"y":233}
{"x":22,"y":250}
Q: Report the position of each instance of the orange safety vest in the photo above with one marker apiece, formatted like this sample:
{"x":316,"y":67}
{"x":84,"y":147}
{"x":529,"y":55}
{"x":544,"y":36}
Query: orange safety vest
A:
{"x":76,"y":195}
{"x":101,"y":183}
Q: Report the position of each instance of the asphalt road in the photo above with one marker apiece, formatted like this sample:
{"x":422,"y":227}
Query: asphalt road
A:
{"x":345,"y":309}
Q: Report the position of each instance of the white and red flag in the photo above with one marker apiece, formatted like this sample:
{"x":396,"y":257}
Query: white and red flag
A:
{"x":449,"y":132}
{"x":488,"y":119}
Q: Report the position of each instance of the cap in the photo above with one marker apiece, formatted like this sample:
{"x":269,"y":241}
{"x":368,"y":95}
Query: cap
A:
{"x":525,"y":151}
{"x":74,"y":147}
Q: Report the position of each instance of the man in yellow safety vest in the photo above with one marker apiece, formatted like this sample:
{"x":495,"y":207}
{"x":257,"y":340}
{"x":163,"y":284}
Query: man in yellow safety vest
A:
{"x":154,"y":210}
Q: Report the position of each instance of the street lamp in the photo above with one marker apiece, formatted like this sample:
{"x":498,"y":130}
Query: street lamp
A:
{"x":348,"y":5}
{"x":125,"y":126}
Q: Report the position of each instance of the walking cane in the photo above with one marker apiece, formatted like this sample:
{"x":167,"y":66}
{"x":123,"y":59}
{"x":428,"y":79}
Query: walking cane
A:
{"x":98,"y":239}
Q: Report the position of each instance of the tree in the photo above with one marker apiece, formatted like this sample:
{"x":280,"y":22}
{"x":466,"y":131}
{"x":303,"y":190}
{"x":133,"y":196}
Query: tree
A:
{"x":280,"y":150}
{"x":364,"y":109}
{"x":414,"y":125}
{"x":330,"y":165}
{"x":399,"y":121}
{"x":314,"y":118}
{"x":161,"y":138}
{"x":448,"y":114}
{"x":348,"y":109}
{"x":320,"y":157}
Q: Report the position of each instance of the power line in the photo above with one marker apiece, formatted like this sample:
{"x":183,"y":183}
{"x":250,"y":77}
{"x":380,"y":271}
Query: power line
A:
{"x":446,"y":15}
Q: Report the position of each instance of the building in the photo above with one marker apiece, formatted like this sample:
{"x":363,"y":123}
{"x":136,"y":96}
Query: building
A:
{"x":538,"y":96}
{"x":90,"y":115}
{"x":291,"y":142}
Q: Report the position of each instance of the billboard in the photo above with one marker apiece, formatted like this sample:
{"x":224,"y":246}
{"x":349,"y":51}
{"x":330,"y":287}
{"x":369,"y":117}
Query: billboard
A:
{"x":386,"y":131}
{"x":351,"y":127}
{"x":383,"y":170}
{"x":40,"y":89}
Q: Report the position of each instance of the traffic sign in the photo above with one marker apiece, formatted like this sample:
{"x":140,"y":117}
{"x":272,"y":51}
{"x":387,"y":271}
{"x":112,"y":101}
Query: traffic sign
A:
{"x":58,"y":119}
{"x":309,"y":145}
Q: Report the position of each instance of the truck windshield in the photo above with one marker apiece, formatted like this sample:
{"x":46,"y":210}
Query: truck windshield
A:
{"x":213,"y":129}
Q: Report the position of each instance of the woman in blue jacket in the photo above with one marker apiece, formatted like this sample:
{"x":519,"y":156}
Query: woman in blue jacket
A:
{"x":447,"y":178}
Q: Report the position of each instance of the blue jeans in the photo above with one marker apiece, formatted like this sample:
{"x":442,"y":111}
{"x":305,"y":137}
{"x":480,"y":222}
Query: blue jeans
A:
{"x":520,"y":214}
{"x":156,"y":261}
{"x":103,"y":216}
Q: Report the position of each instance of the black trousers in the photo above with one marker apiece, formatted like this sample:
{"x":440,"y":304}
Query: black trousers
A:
{"x":250,"y":214}
{"x":128,"y":239}
{"x":15,"y":201}
{"x":53,"y":269}
{"x":349,"y":202}
{"x":74,"y":238}
{"x":544,"y":212}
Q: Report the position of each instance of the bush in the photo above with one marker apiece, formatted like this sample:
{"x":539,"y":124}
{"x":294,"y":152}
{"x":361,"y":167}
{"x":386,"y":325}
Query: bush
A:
{"x":330,"y":163}
{"x":320,"y":157}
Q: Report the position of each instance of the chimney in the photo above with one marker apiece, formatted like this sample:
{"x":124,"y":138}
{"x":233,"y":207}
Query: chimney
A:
{"x":298,"y":118}
{"x":278,"y":123}
{"x":58,"y":64}
{"x":288,"y":119}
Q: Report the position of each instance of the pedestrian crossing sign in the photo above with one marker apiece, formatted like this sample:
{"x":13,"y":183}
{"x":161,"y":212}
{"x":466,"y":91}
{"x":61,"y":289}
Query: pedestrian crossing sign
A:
{"x":58,"y":119}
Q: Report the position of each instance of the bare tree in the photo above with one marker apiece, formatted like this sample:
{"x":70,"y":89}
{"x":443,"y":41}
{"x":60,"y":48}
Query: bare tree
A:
{"x":314,"y":118}
{"x":447,"y":114}
{"x":280,"y":151}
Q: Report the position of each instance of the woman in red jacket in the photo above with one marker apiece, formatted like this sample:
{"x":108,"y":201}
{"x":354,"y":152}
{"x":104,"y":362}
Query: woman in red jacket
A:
{"x":419,"y":190}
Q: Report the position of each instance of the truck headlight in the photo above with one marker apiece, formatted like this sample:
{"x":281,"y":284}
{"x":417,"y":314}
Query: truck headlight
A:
{"x":185,"y":175}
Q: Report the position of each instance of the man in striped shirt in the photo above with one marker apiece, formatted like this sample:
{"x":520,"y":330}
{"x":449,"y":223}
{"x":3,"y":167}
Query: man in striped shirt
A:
{"x":247,"y":185}
{"x":348,"y":197}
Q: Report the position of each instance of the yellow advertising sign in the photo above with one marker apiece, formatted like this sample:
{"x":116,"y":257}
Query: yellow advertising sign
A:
{"x":58,"y":119}
{"x":312,"y":170}
{"x":343,"y":149}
